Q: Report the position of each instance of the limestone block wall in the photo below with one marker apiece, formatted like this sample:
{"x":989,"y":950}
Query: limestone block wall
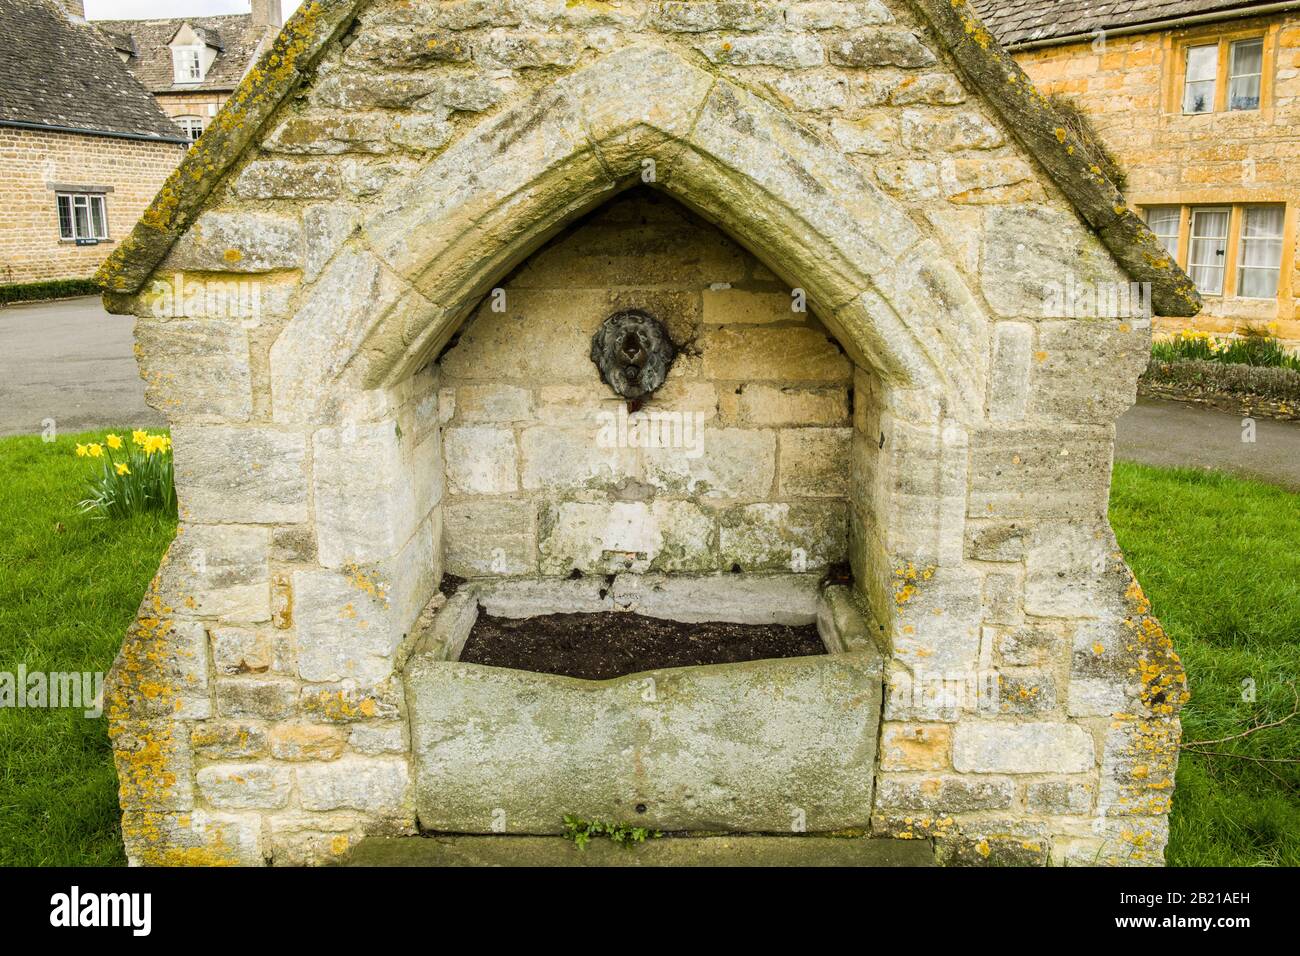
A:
{"x":739,"y":463}
{"x":338,"y":446}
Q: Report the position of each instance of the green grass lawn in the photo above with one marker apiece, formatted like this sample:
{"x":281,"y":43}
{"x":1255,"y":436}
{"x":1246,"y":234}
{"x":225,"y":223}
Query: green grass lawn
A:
{"x":1219,"y":558}
{"x":69,"y":588}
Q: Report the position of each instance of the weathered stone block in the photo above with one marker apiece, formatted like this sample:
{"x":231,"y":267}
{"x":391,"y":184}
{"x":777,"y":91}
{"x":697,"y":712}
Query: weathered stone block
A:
{"x":784,"y":405}
{"x":252,"y":475}
{"x":789,"y":536}
{"x":1061,"y":472}
{"x":626,"y":536}
{"x":219,"y":571}
{"x":228,"y":740}
{"x":726,"y":463}
{"x":265,"y":698}
{"x":815,"y":462}
{"x":244,"y":786}
{"x":678,"y":17}
{"x":891,"y":46}
{"x":287,"y":179}
{"x":364,"y":496}
{"x":196,"y":369}
{"x":773,"y":354}
{"x":377,"y":785}
{"x":480,"y":460}
{"x":238,"y":650}
{"x":823,"y":15}
{"x":239,"y":242}
{"x":944,"y":794}
{"x":1027,"y":248}
{"x":987,"y":747}
{"x":912,"y":746}
{"x":491,"y":536}
{"x":498,"y":749}
{"x":297,"y":742}
{"x":790,"y":52}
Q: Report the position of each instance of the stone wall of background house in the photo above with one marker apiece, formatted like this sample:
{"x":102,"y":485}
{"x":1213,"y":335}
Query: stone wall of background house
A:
{"x":33,"y":160}
{"x":254,"y":709}
{"x":545,"y":475}
{"x":1129,"y":88}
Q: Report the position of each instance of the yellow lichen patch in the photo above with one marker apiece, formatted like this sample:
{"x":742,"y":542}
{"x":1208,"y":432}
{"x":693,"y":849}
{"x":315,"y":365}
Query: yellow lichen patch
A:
{"x":232,"y":255}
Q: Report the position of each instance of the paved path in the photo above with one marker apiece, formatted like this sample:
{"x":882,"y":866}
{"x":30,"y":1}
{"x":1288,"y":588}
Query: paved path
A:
{"x":70,"y":361}
{"x":1169,"y":434}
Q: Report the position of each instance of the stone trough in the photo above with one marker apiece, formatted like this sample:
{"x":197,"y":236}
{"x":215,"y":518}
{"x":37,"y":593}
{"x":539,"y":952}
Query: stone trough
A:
{"x":769,"y":745}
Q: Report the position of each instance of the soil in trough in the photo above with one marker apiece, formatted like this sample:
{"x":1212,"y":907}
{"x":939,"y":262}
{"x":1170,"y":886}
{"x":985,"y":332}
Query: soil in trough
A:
{"x":601,"y":646}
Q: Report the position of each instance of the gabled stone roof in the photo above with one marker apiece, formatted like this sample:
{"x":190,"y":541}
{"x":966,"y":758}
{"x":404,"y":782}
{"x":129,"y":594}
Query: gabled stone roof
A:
{"x":1024,"y":21}
{"x":988,"y":69}
{"x":62,"y":74}
{"x":235,"y":38}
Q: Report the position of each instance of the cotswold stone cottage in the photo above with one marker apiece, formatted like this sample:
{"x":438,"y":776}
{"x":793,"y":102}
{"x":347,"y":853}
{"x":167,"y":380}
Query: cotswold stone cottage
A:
{"x":1200,"y":102}
{"x":191,"y":65}
{"x":380,"y":303}
{"x":83,"y":147}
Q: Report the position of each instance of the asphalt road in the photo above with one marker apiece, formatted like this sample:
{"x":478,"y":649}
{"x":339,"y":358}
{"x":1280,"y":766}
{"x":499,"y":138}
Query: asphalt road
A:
{"x":72,"y":362}
{"x":1171,"y":434}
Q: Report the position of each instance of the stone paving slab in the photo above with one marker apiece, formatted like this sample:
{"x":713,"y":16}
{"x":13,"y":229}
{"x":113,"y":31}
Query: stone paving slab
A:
{"x":534,"y":851}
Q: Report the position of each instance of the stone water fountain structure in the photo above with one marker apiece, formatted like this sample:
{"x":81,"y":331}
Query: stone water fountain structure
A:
{"x":828,"y":228}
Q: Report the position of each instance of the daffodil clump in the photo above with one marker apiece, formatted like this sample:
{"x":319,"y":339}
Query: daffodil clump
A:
{"x":1258,"y":347}
{"x":136,"y":475}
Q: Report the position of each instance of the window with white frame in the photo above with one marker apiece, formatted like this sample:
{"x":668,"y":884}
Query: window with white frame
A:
{"x":1245,"y":70}
{"x":191,"y":126}
{"x":1260,"y":264}
{"x":1202,"y":77}
{"x":188,"y":62}
{"x":1208,"y":253}
{"x":1164,"y":221}
{"x":82,"y":216}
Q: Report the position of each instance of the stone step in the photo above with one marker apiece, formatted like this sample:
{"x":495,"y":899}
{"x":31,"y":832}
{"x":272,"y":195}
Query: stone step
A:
{"x":466,"y":850}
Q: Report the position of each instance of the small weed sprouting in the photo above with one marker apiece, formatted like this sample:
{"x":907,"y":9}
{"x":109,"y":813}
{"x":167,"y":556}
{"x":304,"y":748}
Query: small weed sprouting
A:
{"x":581,"y":831}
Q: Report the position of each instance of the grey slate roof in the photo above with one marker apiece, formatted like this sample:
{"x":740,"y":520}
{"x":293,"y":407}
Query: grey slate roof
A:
{"x":57,"y":73}
{"x":235,"y":37}
{"x":1020,"y":21}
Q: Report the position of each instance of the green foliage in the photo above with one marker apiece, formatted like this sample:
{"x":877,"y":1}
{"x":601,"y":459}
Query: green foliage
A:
{"x":69,"y":588}
{"x":50,"y":289}
{"x":136,"y":476}
{"x":1255,"y":348}
{"x":1219,"y":558}
{"x":581,"y":831}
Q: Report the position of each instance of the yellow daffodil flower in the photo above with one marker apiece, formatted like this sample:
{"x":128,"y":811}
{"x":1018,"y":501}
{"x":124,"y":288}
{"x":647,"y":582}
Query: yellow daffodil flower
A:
{"x":96,"y":450}
{"x":114,"y":441}
{"x":122,"y":469}
{"x":81,"y":451}
{"x":139,"y":437}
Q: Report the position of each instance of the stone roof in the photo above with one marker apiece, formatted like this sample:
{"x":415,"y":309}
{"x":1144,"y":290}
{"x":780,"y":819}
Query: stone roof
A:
{"x":235,"y":38}
{"x":1024,"y":21}
{"x":63,"y":74}
{"x":987,"y":68}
